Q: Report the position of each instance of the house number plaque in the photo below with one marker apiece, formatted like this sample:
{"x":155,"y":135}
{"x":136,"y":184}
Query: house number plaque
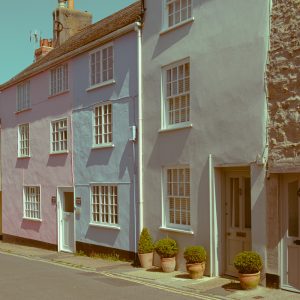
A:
{"x":53,"y":199}
{"x":78,"y":201}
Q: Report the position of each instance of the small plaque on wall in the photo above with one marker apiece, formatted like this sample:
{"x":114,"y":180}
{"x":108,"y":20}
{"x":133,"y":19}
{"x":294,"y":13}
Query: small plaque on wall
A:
{"x":78,"y":201}
{"x":53,"y":199}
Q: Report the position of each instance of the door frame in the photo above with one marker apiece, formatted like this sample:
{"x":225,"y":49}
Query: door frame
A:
{"x":283,"y":179}
{"x":225,"y":171}
{"x":59,"y":194}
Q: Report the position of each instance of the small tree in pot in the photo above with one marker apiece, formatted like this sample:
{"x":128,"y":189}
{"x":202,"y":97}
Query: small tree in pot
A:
{"x":167,"y":249}
{"x":145,"y":249}
{"x":249,"y":265}
{"x":195,"y":257}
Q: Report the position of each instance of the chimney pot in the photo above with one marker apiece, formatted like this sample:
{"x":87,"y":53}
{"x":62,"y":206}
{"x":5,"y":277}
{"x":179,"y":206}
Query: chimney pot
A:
{"x":71,"y":4}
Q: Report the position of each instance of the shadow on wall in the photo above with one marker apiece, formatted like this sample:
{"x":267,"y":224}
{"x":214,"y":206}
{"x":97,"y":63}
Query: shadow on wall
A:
{"x":126,"y":162}
{"x":29,"y":225}
{"x":58,"y":160}
{"x":103,"y":236}
{"x":22,"y":163}
{"x":99,"y":158}
{"x":168,"y":148}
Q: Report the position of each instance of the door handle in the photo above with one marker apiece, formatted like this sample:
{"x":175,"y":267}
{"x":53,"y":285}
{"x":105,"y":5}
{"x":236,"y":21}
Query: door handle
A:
{"x":296,"y":242}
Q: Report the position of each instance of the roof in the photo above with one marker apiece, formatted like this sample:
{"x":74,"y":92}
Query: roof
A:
{"x":91,"y":33}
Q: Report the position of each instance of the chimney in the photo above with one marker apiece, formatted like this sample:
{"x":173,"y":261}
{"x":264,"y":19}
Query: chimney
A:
{"x":46,"y":45}
{"x":67,"y":21}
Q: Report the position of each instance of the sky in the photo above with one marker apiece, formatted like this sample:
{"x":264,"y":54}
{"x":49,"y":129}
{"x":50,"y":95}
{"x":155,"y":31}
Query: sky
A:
{"x":20,"y":17}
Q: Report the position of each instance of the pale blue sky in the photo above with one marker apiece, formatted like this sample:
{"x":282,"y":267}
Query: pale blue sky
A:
{"x":19,"y":17}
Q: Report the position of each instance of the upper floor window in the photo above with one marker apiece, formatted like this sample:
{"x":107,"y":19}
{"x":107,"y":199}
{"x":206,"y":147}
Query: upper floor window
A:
{"x":23,"y":96}
{"x":23,"y":140}
{"x":59,"y":136}
{"x":176,"y":80}
{"x":103,"y":125}
{"x":101,"y":65}
{"x":59,"y":80}
{"x":178,"y":11}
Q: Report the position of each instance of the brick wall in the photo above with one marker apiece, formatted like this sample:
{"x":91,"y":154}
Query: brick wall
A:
{"x":283,"y":80}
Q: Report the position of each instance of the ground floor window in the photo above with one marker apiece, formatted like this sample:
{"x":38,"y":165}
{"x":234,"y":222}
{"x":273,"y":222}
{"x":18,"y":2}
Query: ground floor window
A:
{"x":104,"y":204}
{"x":32,"y":202}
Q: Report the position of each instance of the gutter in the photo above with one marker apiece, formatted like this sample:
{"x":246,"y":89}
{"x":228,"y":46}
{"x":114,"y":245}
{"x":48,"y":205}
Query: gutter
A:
{"x":72,"y":54}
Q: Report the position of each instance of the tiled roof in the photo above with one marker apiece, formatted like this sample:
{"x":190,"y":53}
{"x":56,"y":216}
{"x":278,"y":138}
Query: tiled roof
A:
{"x":89,"y":34}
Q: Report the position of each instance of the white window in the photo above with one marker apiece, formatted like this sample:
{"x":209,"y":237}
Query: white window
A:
{"x":32,"y":202}
{"x":59,"y":80}
{"x":59,"y":136}
{"x":178,"y":201}
{"x":23,"y":96}
{"x":178,"y":11}
{"x":101,"y":65}
{"x":103,"y":125}
{"x":177,"y":94}
{"x":23,"y":140}
{"x":104,"y":204}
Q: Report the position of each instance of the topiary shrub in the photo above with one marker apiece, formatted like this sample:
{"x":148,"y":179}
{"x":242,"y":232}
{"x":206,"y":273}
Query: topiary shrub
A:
{"x":146,"y":244}
{"x":166,"y":248}
{"x":194,"y":254}
{"x":248,"y":262}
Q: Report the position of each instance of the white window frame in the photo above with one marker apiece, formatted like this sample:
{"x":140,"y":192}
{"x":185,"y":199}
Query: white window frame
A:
{"x":113,"y":216}
{"x":166,"y":222}
{"x":165,"y":97}
{"x":100,"y":81}
{"x":24,"y":140}
{"x":23,"y":96}
{"x":182,"y":19}
{"x":32,"y":213}
{"x":59,"y":80}
{"x":59,"y":141}
{"x":105,"y":133}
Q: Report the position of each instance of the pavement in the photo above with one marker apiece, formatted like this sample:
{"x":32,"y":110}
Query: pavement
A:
{"x":207,"y":288}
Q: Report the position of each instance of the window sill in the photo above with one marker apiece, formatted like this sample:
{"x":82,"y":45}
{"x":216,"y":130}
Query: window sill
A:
{"x":30,"y":219}
{"x":23,"y":110}
{"x":102,"y":84}
{"x":187,"y":231}
{"x":191,"y":20}
{"x":163,"y":130}
{"x":106,"y":226}
{"x":95,"y":147}
{"x":59,"y":153}
{"x":24,"y":157}
{"x":58,"y":94}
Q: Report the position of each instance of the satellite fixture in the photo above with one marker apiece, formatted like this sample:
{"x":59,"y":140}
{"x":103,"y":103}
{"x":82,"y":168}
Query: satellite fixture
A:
{"x":35,"y":38}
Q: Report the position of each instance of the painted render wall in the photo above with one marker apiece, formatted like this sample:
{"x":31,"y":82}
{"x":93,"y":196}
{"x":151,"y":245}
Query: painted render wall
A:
{"x":227,"y":45}
{"x":48,"y":171}
{"x":107,"y":165}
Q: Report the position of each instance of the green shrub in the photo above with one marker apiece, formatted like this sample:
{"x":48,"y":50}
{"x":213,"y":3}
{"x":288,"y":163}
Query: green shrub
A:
{"x":194,"y":254}
{"x":248,"y":262}
{"x":145,"y":243}
{"x":166,"y":248}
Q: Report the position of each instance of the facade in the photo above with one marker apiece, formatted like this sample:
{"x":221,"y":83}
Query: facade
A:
{"x":283,"y":247}
{"x":204,"y":126}
{"x":68,"y":132}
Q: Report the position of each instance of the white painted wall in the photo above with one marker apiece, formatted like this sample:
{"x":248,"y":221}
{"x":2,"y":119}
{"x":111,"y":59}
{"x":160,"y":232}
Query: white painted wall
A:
{"x":227,"y":47}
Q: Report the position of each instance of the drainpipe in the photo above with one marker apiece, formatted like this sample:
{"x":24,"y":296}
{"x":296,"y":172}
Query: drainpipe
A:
{"x":138,"y":30}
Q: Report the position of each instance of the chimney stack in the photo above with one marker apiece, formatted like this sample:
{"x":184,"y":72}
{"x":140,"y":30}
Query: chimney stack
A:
{"x":46,"y":46}
{"x":67,"y":21}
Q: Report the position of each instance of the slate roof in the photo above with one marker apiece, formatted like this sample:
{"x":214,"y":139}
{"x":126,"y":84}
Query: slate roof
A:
{"x":91,"y":33}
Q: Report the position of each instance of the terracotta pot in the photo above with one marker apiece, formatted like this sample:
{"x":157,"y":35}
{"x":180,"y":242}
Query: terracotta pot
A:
{"x":168,"y":264}
{"x":249,"y":281}
{"x":146,"y":259}
{"x":196,"y":270}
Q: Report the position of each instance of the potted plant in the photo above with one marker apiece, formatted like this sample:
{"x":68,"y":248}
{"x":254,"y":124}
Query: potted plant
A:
{"x":249,"y":265}
{"x":145,"y":249}
{"x":167,"y":249}
{"x":195,"y":257}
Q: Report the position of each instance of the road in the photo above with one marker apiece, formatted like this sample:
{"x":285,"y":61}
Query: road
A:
{"x":27,"y":279}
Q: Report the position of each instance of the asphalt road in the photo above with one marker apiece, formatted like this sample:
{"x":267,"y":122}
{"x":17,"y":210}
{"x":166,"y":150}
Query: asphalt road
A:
{"x":22,"y":279}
